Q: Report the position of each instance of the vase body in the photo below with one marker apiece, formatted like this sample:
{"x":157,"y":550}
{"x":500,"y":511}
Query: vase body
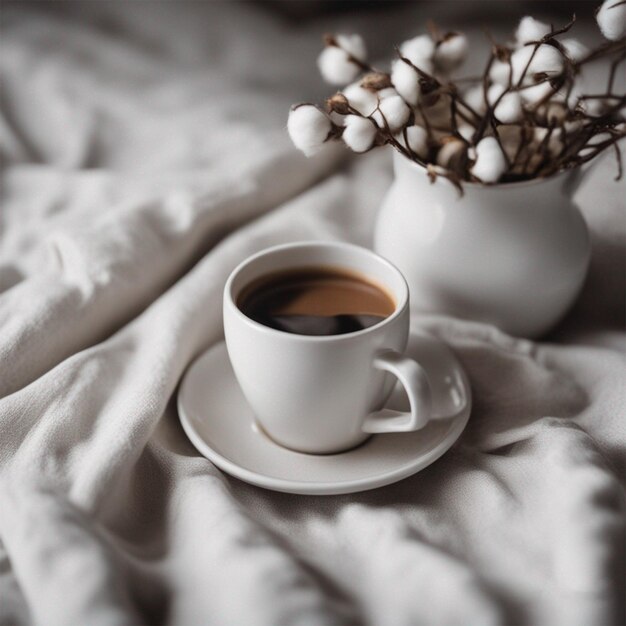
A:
{"x":514,"y":255}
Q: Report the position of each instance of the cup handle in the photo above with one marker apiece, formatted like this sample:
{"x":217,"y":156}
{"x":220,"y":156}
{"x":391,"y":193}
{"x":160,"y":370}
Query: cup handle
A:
{"x":415,"y":382}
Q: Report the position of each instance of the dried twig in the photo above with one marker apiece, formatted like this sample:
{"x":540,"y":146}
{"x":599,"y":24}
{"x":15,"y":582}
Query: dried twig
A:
{"x":443,"y":109}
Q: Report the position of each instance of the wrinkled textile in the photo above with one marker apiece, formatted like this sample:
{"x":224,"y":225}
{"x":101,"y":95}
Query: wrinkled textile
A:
{"x":143,"y":156}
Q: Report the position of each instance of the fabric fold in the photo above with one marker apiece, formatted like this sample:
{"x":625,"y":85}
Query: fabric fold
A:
{"x":144,"y":156}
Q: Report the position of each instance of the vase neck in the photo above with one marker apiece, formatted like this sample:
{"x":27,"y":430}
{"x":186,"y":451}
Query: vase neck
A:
{"x":562,"y":184}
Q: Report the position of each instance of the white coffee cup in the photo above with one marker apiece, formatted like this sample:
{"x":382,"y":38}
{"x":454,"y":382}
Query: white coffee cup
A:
{"x":323,"y":394}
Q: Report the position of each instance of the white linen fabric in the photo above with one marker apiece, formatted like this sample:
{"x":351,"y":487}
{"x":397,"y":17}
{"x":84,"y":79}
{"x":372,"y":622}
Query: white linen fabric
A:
{"x":143,"y":156}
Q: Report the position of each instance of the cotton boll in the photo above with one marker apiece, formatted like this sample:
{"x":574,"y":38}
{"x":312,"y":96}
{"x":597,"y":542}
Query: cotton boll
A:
{"x":387,"y":93}
{"x":519,"y":61}
{"x":596,"y":107}
{"x":536,"y":93}
{"x":451,"y":52}
{"x":545,"y":60}
{"x":359,"y":133}
{"x":575,"y":50}
{"x":419,"y":51}
{"x":416,"y":140}
{"x":394,"y":110}
{"x":475,"y":98}
{"x":466,"y":131}
{"x":406,"y":81}
{"x":335,"y":66}
{"x":352,"y":44}
{"x":611,"y":18}
{"x":602,"y":137}
{"x":509,"y":108}
{"x":500,"y":72}
{"x":363,"y":100}
{"x":420,"y":47}
{"x":593,"y":143}
{"x":308,"y":128}
{"x":490,"y":163}
{"x":494,"y":92}
{"x":530,"y":29}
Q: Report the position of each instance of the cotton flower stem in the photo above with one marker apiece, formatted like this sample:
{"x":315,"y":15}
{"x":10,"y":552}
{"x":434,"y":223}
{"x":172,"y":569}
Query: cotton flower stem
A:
{"x":427,"y":124}
{"x":618,"y":157}
{"x":571,"y":153}
{"x":563,"y":139}
{"x":453,"y":113}
{"x":335,"y":132}
{"x":555,"y":126}
{"x":604,"y":96}
{"x":530,"y":60}
{"x":561,"y":31}
{"x":496,"y":134}
{"x":434,"y":172}
{"x":546,"y":98}
{"x":621,"y":102}
{"x":549,"y":95}
{"x":574,"y":159}
{"x":391,"y":140}
{"x":524,"y":137}
{"x":428,"y":83}
{"x":569,"y":72}
{"x":486,"y":120}
{"x":599,"y":147}
{"x":452,"y":91}
{"x":614,"y":65}
{"x":360,"y":64}
{"x":354,"y":111}
{"x":607,"y":49}
{"x":406,"y":143}
{"x":330,"y":40}
{"x":489,"y":35}
{"x":544,"y":151}
{"x":434,"y":31}
{"x":568,"y":92}
{"x":467,"y":107}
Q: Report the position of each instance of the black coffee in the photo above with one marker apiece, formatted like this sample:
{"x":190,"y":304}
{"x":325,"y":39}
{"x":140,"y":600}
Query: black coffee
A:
{"x":316,"y":301}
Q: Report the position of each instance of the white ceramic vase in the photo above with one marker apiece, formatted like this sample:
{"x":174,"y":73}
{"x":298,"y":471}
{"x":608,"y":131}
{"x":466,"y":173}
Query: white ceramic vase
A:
{"x":514,"y":255}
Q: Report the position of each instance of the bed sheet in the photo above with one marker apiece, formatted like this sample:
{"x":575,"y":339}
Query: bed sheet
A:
{"x":144,"y":154}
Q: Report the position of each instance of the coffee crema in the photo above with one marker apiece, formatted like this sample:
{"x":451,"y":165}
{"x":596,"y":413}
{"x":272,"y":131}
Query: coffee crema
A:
{"x":316,"y":301}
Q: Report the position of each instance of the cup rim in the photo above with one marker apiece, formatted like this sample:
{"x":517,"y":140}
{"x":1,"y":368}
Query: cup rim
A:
{"x":401,"y":305}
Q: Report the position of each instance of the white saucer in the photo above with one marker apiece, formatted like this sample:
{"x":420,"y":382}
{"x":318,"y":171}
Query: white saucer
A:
{"x":220,"y":424}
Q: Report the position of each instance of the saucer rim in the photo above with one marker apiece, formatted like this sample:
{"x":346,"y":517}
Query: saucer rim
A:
{"x":317,"y":488}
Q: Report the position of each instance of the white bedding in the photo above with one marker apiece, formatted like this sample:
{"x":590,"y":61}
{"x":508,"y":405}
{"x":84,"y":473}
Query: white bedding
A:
{"x":143,"y":156}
